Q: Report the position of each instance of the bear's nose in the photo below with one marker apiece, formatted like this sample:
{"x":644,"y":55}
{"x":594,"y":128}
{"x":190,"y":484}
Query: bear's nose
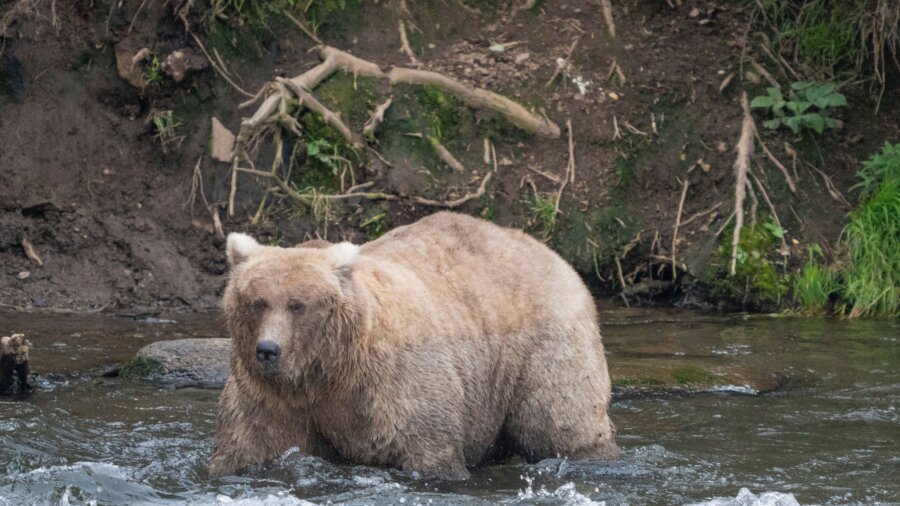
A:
{"x":267,"y":351}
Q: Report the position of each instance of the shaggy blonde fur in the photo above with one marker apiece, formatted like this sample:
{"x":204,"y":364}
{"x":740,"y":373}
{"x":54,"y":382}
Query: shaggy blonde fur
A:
{"x":445,"y":343}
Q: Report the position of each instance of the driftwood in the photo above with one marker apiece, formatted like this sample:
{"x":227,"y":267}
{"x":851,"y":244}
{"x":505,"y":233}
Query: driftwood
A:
{"x":14,"y":365}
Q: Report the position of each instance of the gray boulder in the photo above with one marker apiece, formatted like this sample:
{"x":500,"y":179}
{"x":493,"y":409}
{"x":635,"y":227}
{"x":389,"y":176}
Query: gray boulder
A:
{"x":203,"y":363}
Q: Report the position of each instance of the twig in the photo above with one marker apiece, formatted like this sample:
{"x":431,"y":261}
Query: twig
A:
{"x":404,"y":45}
{"x":217,"y":222}
{"x":784,"y":247}
{"x":487,"y":151}
{"x":460,"y":201}
{"x":701,"y":213}
{"x":741,"y":167}
{"x":547,"y":175}
{"x":678,"y":223}
{"x":215,"y":66}
{"x":621,"y":280}
{"x":443,"y":153}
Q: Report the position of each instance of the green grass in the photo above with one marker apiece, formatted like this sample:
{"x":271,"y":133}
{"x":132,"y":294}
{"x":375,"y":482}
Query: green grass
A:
{"x":541,"y":214}
{"x":815,"y":284}
{"x":828,"y":38}
{"x":872,"y":279}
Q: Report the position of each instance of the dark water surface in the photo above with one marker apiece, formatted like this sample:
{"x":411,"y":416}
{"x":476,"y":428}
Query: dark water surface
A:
{"x":831,"y":435}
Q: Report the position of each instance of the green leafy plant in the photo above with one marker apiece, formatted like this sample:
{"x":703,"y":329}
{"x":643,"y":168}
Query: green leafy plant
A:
{"x":152,"y":75}
{"x":807,"y":106}
{"x":541,"y":213}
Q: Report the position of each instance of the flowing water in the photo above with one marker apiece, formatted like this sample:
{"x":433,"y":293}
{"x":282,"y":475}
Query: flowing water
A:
{"x":831,"y":434}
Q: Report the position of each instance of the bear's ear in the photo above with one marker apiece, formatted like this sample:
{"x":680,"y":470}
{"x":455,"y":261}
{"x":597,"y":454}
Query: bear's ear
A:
{"x":344,"y":254}
{"x":240,"y":247}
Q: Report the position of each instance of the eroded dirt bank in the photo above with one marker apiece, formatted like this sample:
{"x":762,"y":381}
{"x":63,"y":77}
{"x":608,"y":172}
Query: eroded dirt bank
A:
{"x":110,"y":203}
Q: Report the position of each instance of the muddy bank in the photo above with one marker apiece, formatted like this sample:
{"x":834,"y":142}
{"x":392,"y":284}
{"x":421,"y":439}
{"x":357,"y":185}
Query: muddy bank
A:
{"x":101,"y":147}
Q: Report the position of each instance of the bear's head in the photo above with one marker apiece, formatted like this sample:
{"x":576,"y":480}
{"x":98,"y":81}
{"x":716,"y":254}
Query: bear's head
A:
{"x":291,"y":312}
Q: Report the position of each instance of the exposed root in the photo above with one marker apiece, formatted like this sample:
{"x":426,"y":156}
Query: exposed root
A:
{"x":781,"y":167}
{"x":684,"y":189}
{"x":377,"y":118}
{"x":310,"y":102}
{"x":302,"y":26}
{"x":404,"y":45}
{"x":606,"y":6}
{"x":451,"y":204}
{"x":31,"y":252}
{"x":526,"y":5}
{"x":570,"y":170}
{"x":443,"y":153}
{"x":741,"y":167}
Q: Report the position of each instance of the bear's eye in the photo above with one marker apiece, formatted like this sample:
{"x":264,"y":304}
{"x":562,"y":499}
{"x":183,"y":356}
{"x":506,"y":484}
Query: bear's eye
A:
{"x":259,"y":305}
{"x":296,"y":307}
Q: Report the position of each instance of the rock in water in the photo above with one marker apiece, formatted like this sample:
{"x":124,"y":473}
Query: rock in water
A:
{"x":183,"y":363}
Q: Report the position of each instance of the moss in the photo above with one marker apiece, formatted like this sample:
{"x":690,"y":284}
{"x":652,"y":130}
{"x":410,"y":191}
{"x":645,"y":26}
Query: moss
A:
{"x":692,"y":376}
{"x":591,"y":240}
{"x":637,"y":382}
{"x":141,"y":367}
{"x":757,"y":280}
{"x":441,"y":109}
{"x":353,"y":97}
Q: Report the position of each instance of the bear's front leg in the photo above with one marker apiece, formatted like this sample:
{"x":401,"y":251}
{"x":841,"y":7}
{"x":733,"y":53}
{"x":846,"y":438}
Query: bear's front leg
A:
{"x":254,"y":427}
{"x":446,"y":464}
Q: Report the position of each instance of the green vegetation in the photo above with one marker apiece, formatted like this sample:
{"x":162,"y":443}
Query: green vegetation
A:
{"x":541,"y":214}
{"x":152,"y":75}
{"x":692,"y":376}
{"x":317,"y":13}
{"x":871,"y":283}
{"x":141,"y":367}
{"x":757,"y":280}
{"x":815,"y":284}
{"x":165,"y":124}
{"x":807,"y":107}
{"x":375,"y":223}
{"x":833,"y":37}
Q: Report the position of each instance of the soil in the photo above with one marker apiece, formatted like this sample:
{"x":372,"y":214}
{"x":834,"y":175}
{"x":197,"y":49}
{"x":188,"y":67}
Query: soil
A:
{"x":108,"y":207}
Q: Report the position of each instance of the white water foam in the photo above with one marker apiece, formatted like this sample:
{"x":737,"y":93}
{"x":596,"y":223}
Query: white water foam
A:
{"x":747,"y":498}
{"x":566,"y":493}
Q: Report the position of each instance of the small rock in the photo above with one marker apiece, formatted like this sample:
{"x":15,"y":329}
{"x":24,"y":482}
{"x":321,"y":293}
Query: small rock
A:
{"x":522,"y":57}
{"x":182,"y":61}
{"x":222,"y":141}
{"x":24,"y":275}
{"x":694,"y":13}
{"x":613,"y":96}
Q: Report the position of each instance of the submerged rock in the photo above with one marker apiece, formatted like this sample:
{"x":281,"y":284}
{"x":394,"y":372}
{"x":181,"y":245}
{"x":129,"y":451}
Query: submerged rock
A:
{"x":203,"y":363}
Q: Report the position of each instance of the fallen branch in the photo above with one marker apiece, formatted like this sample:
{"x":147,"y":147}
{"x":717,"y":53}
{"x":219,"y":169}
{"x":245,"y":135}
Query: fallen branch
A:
{"x":678,"y":223}
{"x":450,"y":204}
{"x":741,"y":167}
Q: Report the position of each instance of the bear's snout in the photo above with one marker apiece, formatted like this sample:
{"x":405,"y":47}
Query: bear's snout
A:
{"x":267,"y":352}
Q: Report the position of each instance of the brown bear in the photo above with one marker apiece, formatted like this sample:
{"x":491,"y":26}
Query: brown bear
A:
{"x":443,"y":344}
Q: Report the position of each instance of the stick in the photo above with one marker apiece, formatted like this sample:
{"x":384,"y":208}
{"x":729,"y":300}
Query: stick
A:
{"x":570,"y":169}
{"x":608,"y":16}
{"x":460,"y":201}
{"x":678,"y":223}
{"x":784,"y":246}
{"x":741,"y":167}
{"x":377,"y":118}
{"x":701,"y":213}
{"x":404,"y":46}
{"x":233,"y":191}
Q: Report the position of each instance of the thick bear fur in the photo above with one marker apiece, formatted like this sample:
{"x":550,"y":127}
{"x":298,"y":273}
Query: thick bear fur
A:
{"x":443,"y":344}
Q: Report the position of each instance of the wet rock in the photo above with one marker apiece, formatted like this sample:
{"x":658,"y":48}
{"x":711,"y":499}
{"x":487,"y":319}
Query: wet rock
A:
{"x":203,"y":363}
{"x":182,"y":61}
